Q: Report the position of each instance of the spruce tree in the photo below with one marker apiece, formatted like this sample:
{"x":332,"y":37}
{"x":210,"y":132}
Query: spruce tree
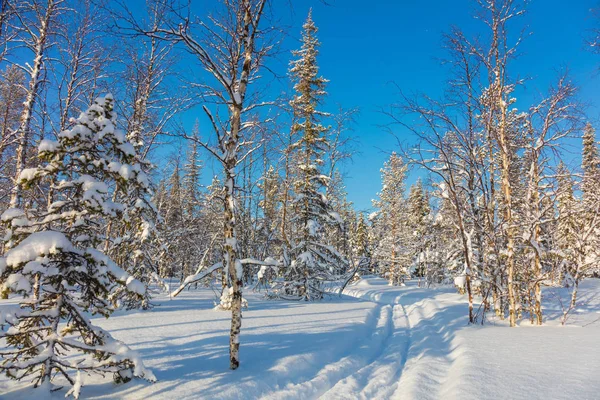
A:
{"x":590,"y":164}
{"x":313,"y":260}
{"x":418,"y":212}
{"x":565,"y":235}
{"x":191,"y":177}
{"x":56,"y":264}
{"x":392,"y":252}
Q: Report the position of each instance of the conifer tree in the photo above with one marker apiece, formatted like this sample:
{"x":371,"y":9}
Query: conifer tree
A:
{"x":565,"y":235}
{"x":270,"y":187}
{"x":56,"y":263}
{"x":191,"y":177}
{"x":590,"y":164}
{"x":392,"y":251}
{"x":418,"y":212}
{"x":313,"y":260}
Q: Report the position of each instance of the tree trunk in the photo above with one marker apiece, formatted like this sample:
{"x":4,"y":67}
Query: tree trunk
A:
{"x":230,"y":246}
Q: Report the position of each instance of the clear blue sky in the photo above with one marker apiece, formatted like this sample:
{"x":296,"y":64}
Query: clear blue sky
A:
{"x":367,"y":45}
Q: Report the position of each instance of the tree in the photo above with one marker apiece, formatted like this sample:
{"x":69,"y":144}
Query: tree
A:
{"x":590,"y":165}
{"x":418,"y":213}
{"x":191,"y":177}
{"x":392,"y":250}
{"x":231,"y":48}
{"x":313,"y":261}
{"x":12,"y":96}
{"x":56,"y":264}
{"x":38,"y":18}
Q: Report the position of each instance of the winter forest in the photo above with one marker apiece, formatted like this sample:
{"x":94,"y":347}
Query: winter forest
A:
{"x":240,"y":199}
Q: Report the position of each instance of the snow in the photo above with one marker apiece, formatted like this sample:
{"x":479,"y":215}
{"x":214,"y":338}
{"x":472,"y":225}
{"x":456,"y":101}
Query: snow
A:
{"x":460,"y":281}
{"x":376,"y":341}
{"x":28,"y":174}
{"x":12,"y":213}
{"x":49,"y":146}
{"x":17,"y":282}
{"x":37,"y":244}
{"x":135,"y":286}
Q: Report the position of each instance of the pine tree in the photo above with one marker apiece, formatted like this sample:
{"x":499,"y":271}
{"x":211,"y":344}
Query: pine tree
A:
{"x":56,"y":264}
{"x":566,"y":228}
{"x":313,"y":260}
{"x":270,"y":187}
{"x":392,"y":251}
{"x":590,"y":164}
{"x":191,"y":177}
{"x":418,"y":212}
{"x":134,"y":241}
{"x":176,"y":261}
{"x":339,"y":234}
{"x":361,"y":245}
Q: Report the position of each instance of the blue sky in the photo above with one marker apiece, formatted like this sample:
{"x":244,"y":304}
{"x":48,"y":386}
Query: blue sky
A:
{"x":367,"y":48}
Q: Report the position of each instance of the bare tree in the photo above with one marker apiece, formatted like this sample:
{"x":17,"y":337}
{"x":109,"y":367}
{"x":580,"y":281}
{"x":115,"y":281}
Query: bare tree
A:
{"x":35,"y":23}
{"x":230,"y":45}
{"x":553,"y":119}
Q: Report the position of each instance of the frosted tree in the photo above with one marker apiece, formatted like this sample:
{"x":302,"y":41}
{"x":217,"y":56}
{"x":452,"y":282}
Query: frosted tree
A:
{"x":192,"y":171}
{"x":12,"y":96}
{"x":36,"y":32}
{"x":553,"y":119}
{"x":339,"y":234}
{"x":584,"y":248}
{"x":418,"y":222}
{"x":134,"y":241}
{"x":392,"y":211}
{"x":55,"y":263}
{"x":590,"y":165}
{"x":230,"y":46}
{"x":567,"y":222}
{"x":81,"y":59}
{"x":173,"y":226}
{"x":361,"y":246}
{"x":313,"y":261}
{"x":269,"y":204}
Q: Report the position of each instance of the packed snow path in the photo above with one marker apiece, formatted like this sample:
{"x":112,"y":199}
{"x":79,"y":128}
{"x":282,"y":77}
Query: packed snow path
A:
{"x":376,"y":342}
{"x":408,"y":354}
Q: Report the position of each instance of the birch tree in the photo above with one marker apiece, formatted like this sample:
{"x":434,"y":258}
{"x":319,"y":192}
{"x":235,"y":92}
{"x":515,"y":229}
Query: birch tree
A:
{"x":36,"y":27}
{"x":230,"y":47}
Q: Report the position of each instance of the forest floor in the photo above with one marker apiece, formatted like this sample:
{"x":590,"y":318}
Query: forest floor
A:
{"x":375,"y":342}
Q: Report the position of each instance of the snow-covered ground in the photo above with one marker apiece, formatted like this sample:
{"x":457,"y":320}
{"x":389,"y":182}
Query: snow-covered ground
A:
{"x":376,"y":341}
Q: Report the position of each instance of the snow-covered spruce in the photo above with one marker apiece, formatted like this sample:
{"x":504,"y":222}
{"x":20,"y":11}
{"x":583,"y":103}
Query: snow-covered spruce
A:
{"x":314,"y":261}
{"x":55,"y":263}
{"x":393,"y":251}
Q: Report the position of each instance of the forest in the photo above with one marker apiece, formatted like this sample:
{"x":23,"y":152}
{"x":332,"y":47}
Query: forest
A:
{"x":165,"y":160}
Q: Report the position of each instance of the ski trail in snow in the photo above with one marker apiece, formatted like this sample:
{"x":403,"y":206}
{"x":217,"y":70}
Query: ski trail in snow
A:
{"x":408,"y":367}
{"x":365,"y":351}
{"x":427,"y":369}
{"x":402,"y":358}
{"x":378,"y":379}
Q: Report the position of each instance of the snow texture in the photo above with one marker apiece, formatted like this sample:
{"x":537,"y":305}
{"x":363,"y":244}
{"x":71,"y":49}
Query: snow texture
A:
{"x":376,"y":342}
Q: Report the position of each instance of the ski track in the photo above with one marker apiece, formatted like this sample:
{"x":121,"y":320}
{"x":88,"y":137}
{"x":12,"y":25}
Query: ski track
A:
{"x":413,"y":353}
{"x":390,"y":364}
{"x":370,"y":349}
